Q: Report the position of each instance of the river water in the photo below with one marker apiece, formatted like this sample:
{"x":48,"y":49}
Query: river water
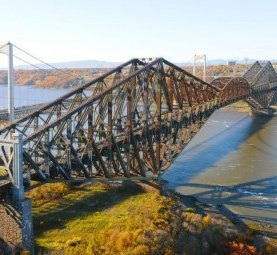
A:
{"x":232,"y":162}
{"x":28,"y":95}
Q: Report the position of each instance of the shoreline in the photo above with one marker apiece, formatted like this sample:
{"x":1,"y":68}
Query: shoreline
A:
{"x":266,"y":229}
{"x":259,"y":230}
{"x":142,"y":218}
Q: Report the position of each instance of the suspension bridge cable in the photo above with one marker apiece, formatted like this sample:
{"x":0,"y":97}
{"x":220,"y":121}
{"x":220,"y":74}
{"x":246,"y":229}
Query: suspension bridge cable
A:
{"x":33,"y":65}
{"x":46,"y":70}
{"x":3,"y":46}
{"x":29,"y":54}
{"x":43,"y":70}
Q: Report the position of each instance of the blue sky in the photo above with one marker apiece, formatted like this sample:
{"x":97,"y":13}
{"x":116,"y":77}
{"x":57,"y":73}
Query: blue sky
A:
{"x":118,"y":30}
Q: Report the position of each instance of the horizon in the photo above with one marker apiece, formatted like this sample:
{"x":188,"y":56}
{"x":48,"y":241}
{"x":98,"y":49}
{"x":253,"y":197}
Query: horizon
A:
{"x":95,"y":63}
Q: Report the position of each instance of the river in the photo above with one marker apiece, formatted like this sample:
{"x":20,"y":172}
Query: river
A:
{"x":28,"y":95}
{"x":232,"y":162}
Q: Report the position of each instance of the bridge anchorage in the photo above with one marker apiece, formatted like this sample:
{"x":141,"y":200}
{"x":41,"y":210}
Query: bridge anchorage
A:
{"x":138,"y":117}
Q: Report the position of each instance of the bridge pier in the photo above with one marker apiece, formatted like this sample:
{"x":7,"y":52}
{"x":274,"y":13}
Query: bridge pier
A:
{"x":16,"y":228}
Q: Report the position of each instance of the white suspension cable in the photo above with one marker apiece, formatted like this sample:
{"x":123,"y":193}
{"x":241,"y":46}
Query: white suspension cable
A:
{"x":29,"y":54}
{"x":33,"y":65}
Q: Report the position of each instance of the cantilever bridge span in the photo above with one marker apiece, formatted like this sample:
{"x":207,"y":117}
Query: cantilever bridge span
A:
{"x":137,"y":119}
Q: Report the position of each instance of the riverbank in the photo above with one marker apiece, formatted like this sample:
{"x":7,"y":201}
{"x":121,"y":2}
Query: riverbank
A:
{"x":231,"y":165}
{"x":260,"y":235}
{"x":240,"y":106}
{"x":111,"y":219}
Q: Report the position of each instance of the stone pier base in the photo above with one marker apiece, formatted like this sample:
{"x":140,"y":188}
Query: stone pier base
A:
{"x":16,"y":228}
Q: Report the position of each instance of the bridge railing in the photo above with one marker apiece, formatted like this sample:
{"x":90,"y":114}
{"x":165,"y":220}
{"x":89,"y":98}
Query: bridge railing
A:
{"x":11,"y":158}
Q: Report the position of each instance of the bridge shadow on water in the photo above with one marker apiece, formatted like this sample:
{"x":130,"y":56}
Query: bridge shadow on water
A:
{"x":209,"y":145}
{"x":253,"y":201}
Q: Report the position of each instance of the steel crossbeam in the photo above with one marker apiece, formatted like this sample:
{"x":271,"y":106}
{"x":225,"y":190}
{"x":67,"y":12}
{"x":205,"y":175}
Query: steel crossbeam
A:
{"x":132,"y":127}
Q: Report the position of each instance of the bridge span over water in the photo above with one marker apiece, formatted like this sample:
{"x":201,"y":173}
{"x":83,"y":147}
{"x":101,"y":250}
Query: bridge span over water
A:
{"x":134,"y":123}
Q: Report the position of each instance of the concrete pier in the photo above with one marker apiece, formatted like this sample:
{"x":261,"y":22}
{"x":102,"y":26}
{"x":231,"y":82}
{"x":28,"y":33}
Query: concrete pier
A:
{"x":16,"y":228}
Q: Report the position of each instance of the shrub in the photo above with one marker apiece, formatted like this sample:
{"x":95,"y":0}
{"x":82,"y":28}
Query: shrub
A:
{"x":48,"y":192}
{"x":240,"y":248}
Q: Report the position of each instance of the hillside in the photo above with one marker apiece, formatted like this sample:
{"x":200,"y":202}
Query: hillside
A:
{"x":76,"y":76}
{"x":53,"y":78}
{"x":215,"y":71}
{"x":77,"y":64}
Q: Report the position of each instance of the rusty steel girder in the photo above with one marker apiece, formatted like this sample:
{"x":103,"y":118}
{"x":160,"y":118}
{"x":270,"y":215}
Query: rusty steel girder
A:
{"x":50,"y":112}
{"x":133,"y":128}
{"x":262,"y":77}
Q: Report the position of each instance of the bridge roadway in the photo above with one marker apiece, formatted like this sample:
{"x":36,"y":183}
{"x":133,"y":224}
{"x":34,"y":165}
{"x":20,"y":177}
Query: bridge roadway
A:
{"x":22,"y":111}
{"x":19,"y":111}
{"x":133,"y":125}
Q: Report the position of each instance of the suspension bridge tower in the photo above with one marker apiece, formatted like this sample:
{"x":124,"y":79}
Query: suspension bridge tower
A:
{"x":15,"y":210}
{"x":196,"y":59}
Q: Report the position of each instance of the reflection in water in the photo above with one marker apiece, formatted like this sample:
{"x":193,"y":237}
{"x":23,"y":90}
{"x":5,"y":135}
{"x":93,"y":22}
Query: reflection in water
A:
{"x":231,"y":161}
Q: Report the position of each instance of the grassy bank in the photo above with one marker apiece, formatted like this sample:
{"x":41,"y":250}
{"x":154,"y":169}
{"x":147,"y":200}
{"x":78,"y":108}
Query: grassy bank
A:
{"x":100,"y":219}
{"x":97,"y":219}
{"x":3,"y":172}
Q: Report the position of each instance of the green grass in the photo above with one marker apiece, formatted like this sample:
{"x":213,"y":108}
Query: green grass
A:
{"x":3,"y":172}
{"x":97,"y":219}
{"x":102,"y":220}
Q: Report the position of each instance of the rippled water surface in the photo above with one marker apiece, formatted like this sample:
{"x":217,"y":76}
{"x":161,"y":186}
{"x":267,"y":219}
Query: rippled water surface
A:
{"x":232,"y":161}
{"x":29,"y":95}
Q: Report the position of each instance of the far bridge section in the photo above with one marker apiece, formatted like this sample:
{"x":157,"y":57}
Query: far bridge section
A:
{"x":19,"y":112}
{"x":262,"y":75}
{"x":138,"y":118}
{"x":23,"y":111}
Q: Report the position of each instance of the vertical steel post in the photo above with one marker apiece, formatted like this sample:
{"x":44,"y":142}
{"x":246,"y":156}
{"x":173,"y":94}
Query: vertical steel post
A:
{"x":159,"y":121}
{"x":36,"y":140}
{"x":110,"y":128}
{"x":90,"y":137}
{"x":18,"y":188}
{"x":200,"y":57}
{"x":69,"y":142}
{"x":204,"y":69}
{"x":129,"y":126}
{"x":10,"y":84}
{"x":46,"y":157}
{"x":194,"y":63}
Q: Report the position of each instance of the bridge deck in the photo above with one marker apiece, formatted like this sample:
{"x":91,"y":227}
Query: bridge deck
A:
{"x":24,"y":110}
{"x":19,"y":111}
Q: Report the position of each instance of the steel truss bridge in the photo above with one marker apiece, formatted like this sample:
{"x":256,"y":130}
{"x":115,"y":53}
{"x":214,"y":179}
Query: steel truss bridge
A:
{"x":19,"y":112}
{"x":133,"y":123}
